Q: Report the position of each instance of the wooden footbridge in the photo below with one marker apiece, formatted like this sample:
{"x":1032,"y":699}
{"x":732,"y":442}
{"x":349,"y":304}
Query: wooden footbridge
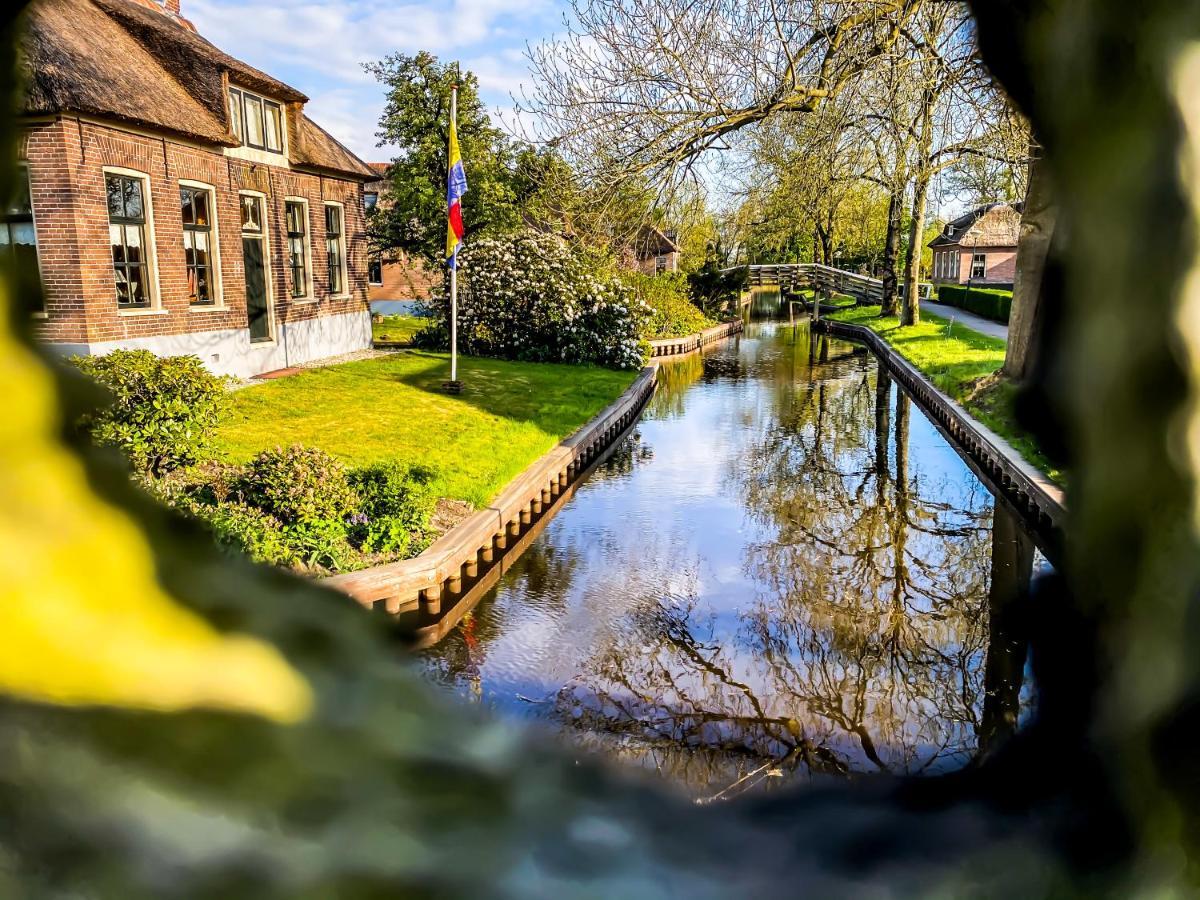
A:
{"x":796,"y":277}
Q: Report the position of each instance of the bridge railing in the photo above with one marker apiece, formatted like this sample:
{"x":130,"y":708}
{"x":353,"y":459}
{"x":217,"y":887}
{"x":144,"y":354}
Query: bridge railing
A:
{"x":794,"y":276}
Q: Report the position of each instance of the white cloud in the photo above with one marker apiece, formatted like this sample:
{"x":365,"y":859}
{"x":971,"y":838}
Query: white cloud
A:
{"x":320,"y":48}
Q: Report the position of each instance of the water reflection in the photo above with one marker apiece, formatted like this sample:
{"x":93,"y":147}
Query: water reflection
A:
{"x":784,"y":572}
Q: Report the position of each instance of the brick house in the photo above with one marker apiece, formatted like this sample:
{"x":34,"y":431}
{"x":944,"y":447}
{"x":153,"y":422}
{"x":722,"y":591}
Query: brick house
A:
{"x":980,"y":247}
{"x":179,"y":200}
{"x":653,"y":252}
{"x":393,"y":275}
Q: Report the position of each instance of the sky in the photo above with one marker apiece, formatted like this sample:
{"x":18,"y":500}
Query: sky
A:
{"x":319,"y":48}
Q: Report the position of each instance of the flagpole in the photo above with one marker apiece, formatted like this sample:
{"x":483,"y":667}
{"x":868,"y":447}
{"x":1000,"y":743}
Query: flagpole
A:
{"x":454,"y":268}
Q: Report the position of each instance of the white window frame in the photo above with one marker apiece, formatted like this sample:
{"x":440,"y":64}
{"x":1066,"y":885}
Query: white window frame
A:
{"x":345,"y":264}
{"x":269,"y":270}
{"x":310,"y":287}
{"x":152,"y":283}
{"x":214,"y":249}
{"x":979,"y":259}
{"x":256,"y":154}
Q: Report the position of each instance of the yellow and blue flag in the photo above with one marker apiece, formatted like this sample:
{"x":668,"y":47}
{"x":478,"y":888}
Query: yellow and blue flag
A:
{"x":456,"y":186}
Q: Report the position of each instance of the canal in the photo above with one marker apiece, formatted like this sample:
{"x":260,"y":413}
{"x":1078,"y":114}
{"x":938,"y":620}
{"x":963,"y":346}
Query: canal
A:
{"x":784,"y":572}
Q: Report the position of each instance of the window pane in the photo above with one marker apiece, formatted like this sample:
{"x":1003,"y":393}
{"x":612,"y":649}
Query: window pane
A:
{"x":116,"y":202}
{"x":133,"y":243}
{"x":23,"y":234}
{"x":370,"y":200}
{"x":200,"y":200}
{"x":235,"y":114}
{"x":5,"y":240}
{"x":254,"y":121}
{"x":122,"y":285}
{"x":274,"y":127}
{"x":137,"y":287}
{"x":251,"y":214}
{"x":20,"y":205}
{"x":133,"y":198}
{"x":295,"y":218}
{"x":118,"y":243}
{"x":200,"y":245}
{"x":203,"y":294}
{"x":185,"y":204}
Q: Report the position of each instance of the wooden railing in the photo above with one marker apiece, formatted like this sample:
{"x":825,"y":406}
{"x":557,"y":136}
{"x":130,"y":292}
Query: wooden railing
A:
{"x":693,"y":342}
{"x":803,"y":276}
{"x":1039,"y":502}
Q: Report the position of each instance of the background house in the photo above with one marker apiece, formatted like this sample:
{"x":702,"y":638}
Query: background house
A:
{"x":979,"y":247}
{"x":395,"y":278}
{"x":179,"y":200}
{"x":653,"y":251}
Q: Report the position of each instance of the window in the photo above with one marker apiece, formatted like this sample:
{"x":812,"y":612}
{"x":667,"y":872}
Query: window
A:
{"x":251,"y":213}
{"x":335,"y":248}
{"x":375,"y":270}
{"x":196,"y":205}
{"x":127,"y":202}
{"x":18,"y":238}
{"x":274,"y":126}
{"x":979,"y":266}
{"x":257,"y":122}
{"x":295,"y":214}
{"x":660,"y":264}
{"x":370,"y":201}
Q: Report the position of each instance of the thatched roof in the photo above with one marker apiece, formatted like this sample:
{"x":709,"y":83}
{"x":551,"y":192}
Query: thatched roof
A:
{"x":79,"y":59}
{"x":123,"y":60}
{"x":319,"y":149}
{"x":652,"y":241}
{"x":991,"y":225}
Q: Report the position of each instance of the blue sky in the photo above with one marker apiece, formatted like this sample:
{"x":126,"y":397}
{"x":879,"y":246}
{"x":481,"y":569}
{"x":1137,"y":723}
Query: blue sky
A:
{"x":319,"y":48}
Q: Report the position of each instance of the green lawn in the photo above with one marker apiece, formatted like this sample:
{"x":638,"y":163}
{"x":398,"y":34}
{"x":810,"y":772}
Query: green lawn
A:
{"x":397,"y":329}
{"x":508,"y":415}
{"x":960,"y":362}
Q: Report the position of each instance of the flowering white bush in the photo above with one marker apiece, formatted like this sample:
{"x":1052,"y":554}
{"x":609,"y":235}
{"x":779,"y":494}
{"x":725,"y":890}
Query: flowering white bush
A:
{"x":528,"y":296}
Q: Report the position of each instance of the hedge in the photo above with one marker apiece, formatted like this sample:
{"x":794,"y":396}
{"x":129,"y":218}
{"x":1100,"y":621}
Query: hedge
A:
{"x":987,"y":302}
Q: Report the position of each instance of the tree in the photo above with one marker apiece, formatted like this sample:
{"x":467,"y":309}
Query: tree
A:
{"x":415,"y":119}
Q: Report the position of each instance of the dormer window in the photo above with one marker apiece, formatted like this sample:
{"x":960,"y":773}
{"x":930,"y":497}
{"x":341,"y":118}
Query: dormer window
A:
{"x":257,"y":121}
{"x":949,"y":231}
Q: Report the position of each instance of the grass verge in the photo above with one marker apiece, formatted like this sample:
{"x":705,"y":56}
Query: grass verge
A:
{"x":394,"y":408}
{"x":963,"y":364}
{"x":397,"y":329}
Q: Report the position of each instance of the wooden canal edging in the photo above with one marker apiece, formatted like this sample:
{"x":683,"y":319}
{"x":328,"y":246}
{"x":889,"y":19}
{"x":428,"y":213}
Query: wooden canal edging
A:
{"x":437,"y":578}
{"x":693,"y":342}
{"x":1032,"y":494}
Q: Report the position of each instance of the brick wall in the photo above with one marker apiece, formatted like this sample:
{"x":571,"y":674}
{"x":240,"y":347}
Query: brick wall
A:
{"x":1001,"y":265}
{"x":66,"y":160}
{"x":405,"y":278}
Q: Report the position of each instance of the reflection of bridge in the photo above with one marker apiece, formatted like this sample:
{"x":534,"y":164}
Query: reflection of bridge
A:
{"x":795,"y":277}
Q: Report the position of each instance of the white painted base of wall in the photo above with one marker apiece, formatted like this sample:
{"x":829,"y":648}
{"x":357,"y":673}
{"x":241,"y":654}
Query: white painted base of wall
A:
{"x":229,"y":351}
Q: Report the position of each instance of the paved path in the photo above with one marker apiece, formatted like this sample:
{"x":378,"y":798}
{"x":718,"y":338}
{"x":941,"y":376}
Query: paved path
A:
{"x":967,"y":319}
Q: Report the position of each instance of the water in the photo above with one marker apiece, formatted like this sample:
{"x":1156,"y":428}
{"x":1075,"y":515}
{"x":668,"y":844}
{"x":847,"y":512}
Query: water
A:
{"x":784,"y":572}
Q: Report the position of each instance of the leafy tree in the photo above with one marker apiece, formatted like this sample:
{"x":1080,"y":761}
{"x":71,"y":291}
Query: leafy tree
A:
{"x":416,"y":120}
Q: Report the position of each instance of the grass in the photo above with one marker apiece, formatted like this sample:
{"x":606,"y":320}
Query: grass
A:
{"x":397,"y":329}
{"x":963,"y":364}
{"x":394,"y":408}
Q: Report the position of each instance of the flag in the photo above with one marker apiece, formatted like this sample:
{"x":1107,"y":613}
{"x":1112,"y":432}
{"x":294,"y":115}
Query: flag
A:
{"x":456,"y":186}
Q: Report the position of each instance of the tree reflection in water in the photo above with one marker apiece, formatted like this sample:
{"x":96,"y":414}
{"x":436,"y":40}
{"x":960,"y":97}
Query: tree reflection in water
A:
{"x":880,"y":624}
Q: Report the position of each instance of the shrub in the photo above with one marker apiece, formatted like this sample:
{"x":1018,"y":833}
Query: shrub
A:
{"x":164,"y":410}
{"x":991,"y":303}
{"x":672,"y":313}
{"x":529,"y":296}
{"x":397,"y":505}
{"x":299,"y":485}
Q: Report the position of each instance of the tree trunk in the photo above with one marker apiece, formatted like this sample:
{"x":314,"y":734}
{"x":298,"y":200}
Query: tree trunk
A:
{"x":891,"y":252}
{"x":1033,"y":248}
{"x":910,"y":309}
{"x":826,"y":240}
